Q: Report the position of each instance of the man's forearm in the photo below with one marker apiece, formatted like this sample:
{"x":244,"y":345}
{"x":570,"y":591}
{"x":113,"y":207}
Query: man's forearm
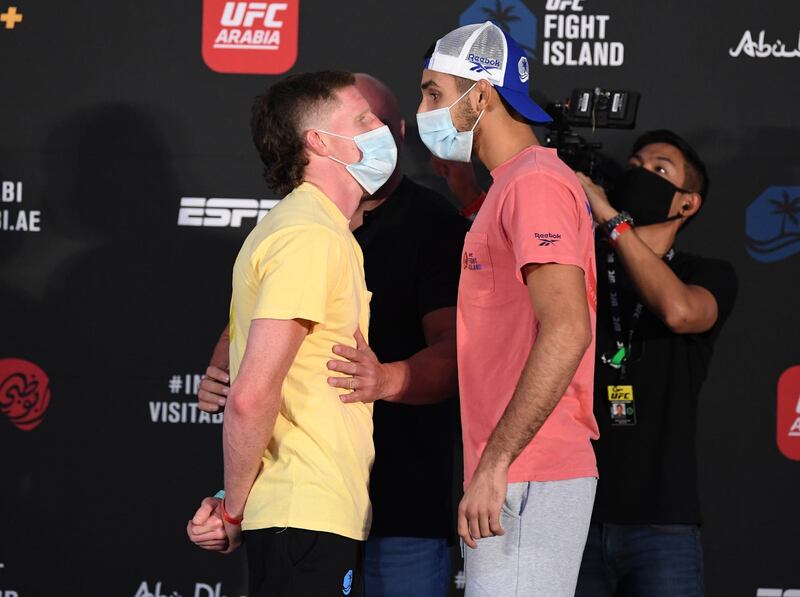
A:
{"x":245,"y":435}
{"x":254,"y":401}
{"x":660,"y":289}
{"x":683,"y":308}
{"x":550,"y":367}
{"x":656,"y":283}
{"x":220,"y":357}
{"x":427,"y":377}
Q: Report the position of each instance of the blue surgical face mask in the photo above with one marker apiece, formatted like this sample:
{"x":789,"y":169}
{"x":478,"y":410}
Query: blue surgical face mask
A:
{"x":439,"y":134}
{"x":378,"y":160}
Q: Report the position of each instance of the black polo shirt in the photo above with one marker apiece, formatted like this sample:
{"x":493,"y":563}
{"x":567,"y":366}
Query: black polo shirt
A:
{"x":648,"y":472}
{"x":412,"y":245}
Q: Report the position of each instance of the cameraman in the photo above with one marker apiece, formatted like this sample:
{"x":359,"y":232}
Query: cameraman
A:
{"x":659,"y":314}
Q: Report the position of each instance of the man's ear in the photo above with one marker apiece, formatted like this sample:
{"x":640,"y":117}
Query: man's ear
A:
{"x":315,"y":143}
{"x":403,"y":129}
{"x":485,"y":94}
{"x":690,"y":204}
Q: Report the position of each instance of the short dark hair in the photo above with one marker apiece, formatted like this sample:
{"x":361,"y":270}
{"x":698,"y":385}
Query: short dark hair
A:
{"x":696,"y":174}
{"x":278,"y":116}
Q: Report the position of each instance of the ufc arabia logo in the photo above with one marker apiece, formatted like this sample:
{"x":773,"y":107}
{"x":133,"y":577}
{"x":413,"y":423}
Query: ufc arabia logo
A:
{"x":236,"y":14}
{"x":221,"y":213}
{"x":250,"y":37}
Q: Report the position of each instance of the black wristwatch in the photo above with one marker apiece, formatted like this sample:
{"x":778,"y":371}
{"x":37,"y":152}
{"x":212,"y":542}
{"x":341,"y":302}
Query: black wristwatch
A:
{"x":618,"y":219}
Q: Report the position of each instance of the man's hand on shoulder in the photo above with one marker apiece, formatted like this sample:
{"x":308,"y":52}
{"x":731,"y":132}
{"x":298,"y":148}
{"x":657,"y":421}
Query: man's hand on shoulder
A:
{"x":602,"y":211}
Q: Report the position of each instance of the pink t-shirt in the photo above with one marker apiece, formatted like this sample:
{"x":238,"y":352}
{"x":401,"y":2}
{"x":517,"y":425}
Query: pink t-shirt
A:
{"x":535,"y":212}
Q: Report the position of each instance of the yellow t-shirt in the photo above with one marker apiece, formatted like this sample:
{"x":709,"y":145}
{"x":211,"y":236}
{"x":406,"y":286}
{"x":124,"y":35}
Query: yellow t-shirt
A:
{"x":302,"y":262}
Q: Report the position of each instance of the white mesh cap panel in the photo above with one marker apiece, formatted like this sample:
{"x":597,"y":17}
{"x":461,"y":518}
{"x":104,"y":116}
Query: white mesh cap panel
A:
{"x":490,"y":43}
{"x":453,"y":43}
{"x":474,"y":52}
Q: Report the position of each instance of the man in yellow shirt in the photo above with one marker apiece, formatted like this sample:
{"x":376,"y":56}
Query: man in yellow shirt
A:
{"x":297,"y":458}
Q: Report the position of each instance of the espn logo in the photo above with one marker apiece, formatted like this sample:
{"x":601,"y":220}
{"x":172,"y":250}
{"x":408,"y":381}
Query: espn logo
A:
{"x":221,"y":213}
{"x":789,"y":414}
{"x":250,"y":37}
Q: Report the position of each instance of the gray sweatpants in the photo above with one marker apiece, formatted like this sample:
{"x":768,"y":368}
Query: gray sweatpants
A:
{"x":545,"y":525}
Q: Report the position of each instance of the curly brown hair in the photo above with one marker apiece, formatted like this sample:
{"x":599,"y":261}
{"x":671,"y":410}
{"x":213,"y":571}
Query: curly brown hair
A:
{"x":278,"y":116}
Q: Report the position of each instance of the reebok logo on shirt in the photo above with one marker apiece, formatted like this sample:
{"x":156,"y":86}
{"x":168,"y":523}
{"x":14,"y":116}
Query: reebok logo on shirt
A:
{"x":547,"y":239}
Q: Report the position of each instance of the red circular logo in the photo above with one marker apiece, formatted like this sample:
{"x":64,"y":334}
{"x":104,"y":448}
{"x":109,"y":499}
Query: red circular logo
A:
{"x":24,"y":392}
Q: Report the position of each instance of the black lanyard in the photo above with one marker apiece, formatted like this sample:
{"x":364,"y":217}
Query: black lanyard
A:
{"x":618,"y":358}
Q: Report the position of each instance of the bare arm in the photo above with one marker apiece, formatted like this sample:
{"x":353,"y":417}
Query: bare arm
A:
{"x":427,"y":377}
{"x":220,"y":356}
{"x":684,"y":308}
{"x":254,"y":401}
{"x":558,"y":296}
{"x":213,"y":392}
{"x":431,"y":375}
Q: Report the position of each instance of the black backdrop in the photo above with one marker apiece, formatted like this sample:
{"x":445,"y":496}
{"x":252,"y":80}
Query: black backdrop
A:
{"x":111,"y":123}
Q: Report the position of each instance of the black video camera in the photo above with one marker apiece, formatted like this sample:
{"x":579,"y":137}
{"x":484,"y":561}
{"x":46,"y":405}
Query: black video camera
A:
{"x":595,"y":108}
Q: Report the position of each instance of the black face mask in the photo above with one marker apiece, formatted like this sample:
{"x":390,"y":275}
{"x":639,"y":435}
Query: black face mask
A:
{"x":645,"y":195}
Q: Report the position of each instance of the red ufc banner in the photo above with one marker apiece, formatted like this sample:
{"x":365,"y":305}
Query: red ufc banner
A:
{"x":258,"y":38}
{"x":789,"y":413}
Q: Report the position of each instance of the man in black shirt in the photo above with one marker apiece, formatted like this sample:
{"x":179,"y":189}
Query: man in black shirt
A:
{"x":659,"y":314}
{"x":411,"y":238}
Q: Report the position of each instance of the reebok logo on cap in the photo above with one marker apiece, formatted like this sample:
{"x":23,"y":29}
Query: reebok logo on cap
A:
{"x":484,"y":51}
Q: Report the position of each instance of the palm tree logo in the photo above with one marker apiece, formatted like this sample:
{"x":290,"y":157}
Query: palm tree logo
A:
{"x":503,"y":16}
{"x":789,"y":208}
{"x":767,"y":241}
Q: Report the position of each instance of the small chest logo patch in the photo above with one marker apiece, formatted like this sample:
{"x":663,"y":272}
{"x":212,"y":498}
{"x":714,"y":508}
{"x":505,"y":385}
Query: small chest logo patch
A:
{"x":470,"y":261}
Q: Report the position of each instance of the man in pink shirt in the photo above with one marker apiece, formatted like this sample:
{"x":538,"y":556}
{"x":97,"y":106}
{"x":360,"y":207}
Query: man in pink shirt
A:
{"x":526,"y":317}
